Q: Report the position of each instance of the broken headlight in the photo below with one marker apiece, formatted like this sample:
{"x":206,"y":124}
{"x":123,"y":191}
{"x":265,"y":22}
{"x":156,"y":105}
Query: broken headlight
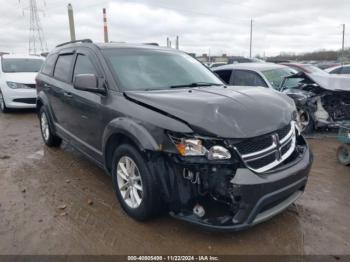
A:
{"x":195,"y":147}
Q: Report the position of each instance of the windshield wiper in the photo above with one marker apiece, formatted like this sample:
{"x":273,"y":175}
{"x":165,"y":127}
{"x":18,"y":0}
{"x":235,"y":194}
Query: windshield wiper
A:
{"x":197,"y":84}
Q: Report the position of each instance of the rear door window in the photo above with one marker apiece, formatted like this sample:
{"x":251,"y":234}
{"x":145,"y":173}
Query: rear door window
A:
{"x":63,"y":68}
{"x":225,"y":75}
{"x":246,"y":78}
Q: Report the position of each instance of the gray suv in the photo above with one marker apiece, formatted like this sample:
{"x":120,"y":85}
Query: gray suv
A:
{"x":172,"y":136}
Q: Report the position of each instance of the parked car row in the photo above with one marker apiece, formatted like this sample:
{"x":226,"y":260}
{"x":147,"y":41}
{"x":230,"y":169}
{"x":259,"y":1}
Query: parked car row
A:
{"x":322,"y":99}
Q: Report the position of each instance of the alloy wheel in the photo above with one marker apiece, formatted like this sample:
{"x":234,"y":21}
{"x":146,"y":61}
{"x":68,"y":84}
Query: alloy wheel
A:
{"x":45,"y":126}
{"x":129,"y":182}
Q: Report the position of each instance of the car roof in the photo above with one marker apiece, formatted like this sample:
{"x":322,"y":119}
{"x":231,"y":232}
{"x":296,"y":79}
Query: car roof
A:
{"x":119,"y":45}
{"x":251,"y":66}
{"x":23,"y":56}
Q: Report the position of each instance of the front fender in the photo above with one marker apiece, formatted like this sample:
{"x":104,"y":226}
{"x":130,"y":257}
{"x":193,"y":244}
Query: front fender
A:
{"x":131,"y":129}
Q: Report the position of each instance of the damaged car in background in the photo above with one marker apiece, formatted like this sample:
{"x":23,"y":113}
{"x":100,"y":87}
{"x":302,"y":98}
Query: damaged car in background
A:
{"x":323,"y":100}
{"x":172,"y":136}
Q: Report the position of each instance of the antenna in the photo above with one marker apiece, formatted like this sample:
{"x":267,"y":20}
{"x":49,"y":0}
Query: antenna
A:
{"x":37,"y":43}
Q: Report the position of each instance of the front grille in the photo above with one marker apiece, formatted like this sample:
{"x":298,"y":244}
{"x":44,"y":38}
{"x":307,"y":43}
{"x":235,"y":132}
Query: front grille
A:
{"x":25,"y":100}
{"x":31,"y":85}
{"x":285,"y":148}
{"x":264,"y":161}
{"x":266,"y":152}
{"x":254,"y":145}
{"x":283,"y":131}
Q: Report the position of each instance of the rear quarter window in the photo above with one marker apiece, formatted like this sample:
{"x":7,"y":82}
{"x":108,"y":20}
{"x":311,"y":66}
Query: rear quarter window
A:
{"x":49,"y":64}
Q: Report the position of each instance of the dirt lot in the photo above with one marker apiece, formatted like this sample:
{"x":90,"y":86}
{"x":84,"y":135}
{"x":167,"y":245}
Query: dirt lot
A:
{"x":35,"y":182}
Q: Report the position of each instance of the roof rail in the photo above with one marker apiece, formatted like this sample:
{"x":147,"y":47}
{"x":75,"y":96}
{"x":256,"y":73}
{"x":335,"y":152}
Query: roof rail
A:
{"x":76,"y":41}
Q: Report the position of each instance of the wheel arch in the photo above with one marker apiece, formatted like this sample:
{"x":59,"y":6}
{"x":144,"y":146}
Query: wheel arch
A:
{"x":124,"y":130}
{"x":43,"y":101}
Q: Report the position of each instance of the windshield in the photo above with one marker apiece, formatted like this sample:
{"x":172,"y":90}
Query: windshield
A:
{"x":21,"y":65}
{"x":292,"y":83}
{"x":276,"y":76}
{"x":157,"y":70}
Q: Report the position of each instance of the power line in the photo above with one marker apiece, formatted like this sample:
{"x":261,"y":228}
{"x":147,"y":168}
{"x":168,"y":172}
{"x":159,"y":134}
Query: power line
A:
{"x":36,"y":36}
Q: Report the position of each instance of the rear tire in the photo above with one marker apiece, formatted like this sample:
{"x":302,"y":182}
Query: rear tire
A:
{"x":134,"y":186}
{"x":50,"y":139}
{"x":3,"y":107}
{"x":343,"y":154}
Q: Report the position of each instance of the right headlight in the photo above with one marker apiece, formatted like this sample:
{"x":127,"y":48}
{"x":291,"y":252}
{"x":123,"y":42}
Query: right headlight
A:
{"x":218,"y":153}
{"x":195,"y":147}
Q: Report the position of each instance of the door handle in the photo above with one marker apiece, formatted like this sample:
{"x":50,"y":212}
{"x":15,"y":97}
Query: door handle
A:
{"x":67,"y":94}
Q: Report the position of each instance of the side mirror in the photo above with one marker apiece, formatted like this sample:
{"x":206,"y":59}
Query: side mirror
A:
{"x":88,"y":83}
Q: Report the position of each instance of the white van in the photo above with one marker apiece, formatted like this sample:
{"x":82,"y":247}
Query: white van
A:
{"x":17,"y":81}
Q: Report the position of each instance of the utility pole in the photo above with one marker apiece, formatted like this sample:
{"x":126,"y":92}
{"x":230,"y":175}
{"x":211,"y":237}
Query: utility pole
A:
{"x":251,"y":38}
{"x":177,"y":42}
{"x":71,"y":22}
{"x":343,"y":45}
{"x":105,"y":27}
{"x":37,"y":43}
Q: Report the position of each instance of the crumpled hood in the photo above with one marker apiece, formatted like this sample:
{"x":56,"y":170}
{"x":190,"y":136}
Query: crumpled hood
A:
{"x":331,"y":82}
{"x":23,"y":78}
{"x":327,"y":81}
{"x":232,"y":112}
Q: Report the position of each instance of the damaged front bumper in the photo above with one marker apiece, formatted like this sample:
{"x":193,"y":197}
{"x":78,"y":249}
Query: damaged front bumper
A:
{"x":249,"y":199}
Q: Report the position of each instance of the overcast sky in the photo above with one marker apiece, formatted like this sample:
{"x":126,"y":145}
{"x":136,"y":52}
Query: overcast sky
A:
{"x":221,"y":26}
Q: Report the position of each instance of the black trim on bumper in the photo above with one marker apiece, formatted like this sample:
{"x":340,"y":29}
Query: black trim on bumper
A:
{"x":31,"y":101}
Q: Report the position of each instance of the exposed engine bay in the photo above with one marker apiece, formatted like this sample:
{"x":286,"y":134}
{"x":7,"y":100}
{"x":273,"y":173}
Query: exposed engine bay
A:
{"x":325,"y":99}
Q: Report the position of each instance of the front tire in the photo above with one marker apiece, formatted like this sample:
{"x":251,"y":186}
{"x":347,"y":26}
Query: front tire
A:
{"x":134,"y":185}
{"x":50,"y":139}
{"x":3,"y":107}
{"x":343,"y":154}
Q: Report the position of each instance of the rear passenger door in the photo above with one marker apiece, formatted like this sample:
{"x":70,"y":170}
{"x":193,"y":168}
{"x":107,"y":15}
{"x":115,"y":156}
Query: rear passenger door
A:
{"x":59,"y":90}
{"x":246,"y":78}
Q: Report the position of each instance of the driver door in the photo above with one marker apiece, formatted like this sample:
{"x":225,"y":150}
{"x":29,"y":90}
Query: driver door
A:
{"x":87,"y":122}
